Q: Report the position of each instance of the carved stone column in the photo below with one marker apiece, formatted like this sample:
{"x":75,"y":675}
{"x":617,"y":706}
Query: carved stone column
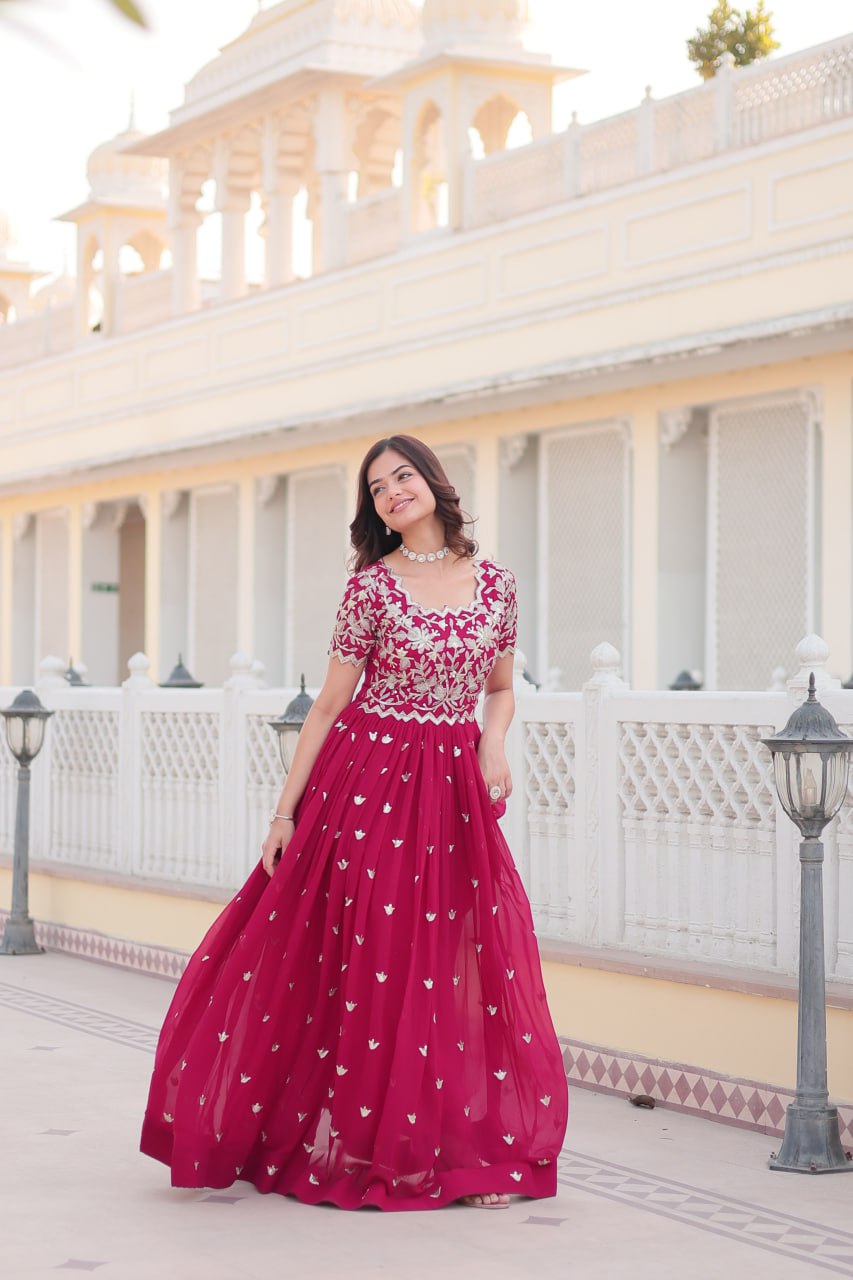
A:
{"x":280,"y":188}
{"x":233,"y":193}
{"x":331,"y":132}
{"x":184,"y":221}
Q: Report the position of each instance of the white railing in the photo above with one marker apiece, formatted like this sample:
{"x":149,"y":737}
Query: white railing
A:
{"x":36,"y":337}
{"x":143,"y":300}
{"x":510,"y":183}
{"x":373,"y":227}
{"x":739,"y":107}
{"x":641,"y":822}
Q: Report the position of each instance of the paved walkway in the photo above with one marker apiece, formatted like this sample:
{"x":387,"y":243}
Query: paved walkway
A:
{"x":642,"y":1194}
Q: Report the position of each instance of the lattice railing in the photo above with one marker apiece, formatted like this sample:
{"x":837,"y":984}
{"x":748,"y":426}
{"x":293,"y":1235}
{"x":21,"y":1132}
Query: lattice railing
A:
{"x":794,"y":93}
{"x":550,"y":782}
{"x":549,"y":790}
{"x":83,"y":806}
{"x":264,"y":780}
{"x":718,"y":772}
{"x":374,"y":226}
{"x":511,"y":183}
{"x":609,"y":152}
{"x":180,"y":776}
{"x":684,"y":129}
{"x":698,"y":817}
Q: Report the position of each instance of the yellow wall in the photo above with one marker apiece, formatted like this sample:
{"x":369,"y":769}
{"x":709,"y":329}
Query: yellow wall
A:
{"x":751,"y":1037}
{"x":134,"y":915}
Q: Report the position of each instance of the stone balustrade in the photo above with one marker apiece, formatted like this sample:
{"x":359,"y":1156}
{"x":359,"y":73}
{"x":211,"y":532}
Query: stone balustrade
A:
{"x":738,"y":108}
{"x":643,"y":822}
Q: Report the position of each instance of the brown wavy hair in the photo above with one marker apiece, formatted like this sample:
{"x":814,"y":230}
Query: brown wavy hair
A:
{"x":367,"y":532}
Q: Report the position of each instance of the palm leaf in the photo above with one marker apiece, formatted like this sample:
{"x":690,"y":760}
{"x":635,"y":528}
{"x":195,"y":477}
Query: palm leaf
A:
{"x":129,"y":9}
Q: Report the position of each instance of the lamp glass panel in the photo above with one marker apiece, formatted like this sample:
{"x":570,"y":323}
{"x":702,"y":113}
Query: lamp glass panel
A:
{"x":807,"y":784}
{"x":836,"y":775}
{"x":16,"y":735}
{"x":287,"y":743}
{"x":35,"y":735}
{"x":811,"y":785}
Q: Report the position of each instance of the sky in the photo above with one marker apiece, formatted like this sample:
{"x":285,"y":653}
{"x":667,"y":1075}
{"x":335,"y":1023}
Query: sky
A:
{"x":68,"y":69}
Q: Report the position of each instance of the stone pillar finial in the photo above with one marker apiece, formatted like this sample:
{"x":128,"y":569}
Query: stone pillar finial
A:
{"x":139,"y":679}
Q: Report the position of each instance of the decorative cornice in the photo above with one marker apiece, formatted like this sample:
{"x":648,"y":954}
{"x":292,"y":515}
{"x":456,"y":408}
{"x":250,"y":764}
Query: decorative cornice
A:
{"x":513,"y":449}
{"x":171,"y":500}
{"x":265,"y":488}
{"x":673,"y":425}
{"x":21,"y":524}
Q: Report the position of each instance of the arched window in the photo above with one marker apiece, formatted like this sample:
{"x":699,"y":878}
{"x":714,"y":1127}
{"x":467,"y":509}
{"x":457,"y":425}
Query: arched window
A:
{"x":500,"y":124}
{"x":377,"y":141}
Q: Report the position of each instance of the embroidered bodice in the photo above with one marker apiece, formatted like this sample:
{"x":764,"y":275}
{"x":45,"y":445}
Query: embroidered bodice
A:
{"x":424,"y":664}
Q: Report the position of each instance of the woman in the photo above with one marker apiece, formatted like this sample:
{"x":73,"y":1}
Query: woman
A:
{"x":365,"y":1024}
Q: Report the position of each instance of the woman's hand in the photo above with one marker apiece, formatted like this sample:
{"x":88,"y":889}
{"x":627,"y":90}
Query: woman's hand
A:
{"x":280,"y":836}
{"x":493,"y":764}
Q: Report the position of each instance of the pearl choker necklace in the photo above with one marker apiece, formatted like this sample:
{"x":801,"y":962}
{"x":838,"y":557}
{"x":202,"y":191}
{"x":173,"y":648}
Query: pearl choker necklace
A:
{"x":423,"y":557}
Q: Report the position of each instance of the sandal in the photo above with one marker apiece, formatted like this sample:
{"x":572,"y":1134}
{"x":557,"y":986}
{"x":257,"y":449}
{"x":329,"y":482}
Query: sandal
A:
{"x":481,"y":1202}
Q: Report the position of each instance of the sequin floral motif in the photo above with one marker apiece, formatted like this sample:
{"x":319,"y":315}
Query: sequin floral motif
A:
{"x":424,"y":664}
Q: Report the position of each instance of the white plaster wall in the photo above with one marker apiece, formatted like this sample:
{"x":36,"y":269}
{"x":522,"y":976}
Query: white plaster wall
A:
{"x":23,"y":587}
{"x":583,"y":511}
{"x":517,"y":542}
{"x":762,"y":563}
{"x":52,"y":585}
{"x":174,"y":585}
{"x":131,"y":600}
{"x":269,"y":596}
{"x":213,"y":582}
{"x":682,"y":552}
{"x":317,"y":545}
{"x":99,"y":610}
{"x":458,"y":462}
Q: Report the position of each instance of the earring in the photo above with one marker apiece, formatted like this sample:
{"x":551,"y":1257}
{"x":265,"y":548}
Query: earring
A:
{"x":387,"y":532}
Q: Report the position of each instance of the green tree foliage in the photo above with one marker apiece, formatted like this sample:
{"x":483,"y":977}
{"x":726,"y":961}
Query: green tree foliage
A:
{"x":127,"y":8}
{"x":746,"y":36}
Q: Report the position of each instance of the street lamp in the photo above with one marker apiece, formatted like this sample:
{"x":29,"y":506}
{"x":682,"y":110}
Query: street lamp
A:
{"x":25,"y":720}
{"x":811,"y":762}
{"x":287,"y":726}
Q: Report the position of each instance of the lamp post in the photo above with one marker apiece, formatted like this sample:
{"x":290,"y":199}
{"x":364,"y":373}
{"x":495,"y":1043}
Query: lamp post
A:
{"x":26,"y":720}
{"x":811,"y":762}
{"x":288,"y":725}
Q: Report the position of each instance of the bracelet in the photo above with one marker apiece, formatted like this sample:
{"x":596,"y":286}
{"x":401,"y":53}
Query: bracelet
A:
{"x":285,"y":817}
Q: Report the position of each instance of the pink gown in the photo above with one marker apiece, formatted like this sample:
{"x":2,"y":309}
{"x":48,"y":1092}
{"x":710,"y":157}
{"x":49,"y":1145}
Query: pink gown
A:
{"x":369,"y":1026}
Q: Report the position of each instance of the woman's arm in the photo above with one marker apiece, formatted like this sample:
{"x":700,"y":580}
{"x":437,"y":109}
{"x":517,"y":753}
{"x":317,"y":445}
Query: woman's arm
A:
{"x":336,"y":693}
{"x":498,"y":710}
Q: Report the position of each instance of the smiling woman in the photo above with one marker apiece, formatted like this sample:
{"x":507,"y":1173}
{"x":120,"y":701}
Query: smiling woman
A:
{"x":366,"y":1023}
{"x":404,"y":492}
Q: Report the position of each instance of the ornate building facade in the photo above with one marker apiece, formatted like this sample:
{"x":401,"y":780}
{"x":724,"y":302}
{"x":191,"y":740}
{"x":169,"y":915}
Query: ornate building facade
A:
{"x":629,"y":341}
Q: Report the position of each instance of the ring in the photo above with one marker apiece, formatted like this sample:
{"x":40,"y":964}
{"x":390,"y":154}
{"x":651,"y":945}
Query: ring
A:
{"x":495,"y":792}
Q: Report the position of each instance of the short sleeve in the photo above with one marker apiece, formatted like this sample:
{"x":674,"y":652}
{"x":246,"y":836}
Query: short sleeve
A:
{"x":355,"y":626}
{"x":507,"y":626}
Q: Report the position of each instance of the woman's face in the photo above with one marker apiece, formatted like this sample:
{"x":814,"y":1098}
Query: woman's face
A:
{"x":400,"y":494}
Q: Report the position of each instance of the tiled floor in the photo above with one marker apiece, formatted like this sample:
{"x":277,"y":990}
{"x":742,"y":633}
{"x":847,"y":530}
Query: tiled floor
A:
{"x":642,"y":1194}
